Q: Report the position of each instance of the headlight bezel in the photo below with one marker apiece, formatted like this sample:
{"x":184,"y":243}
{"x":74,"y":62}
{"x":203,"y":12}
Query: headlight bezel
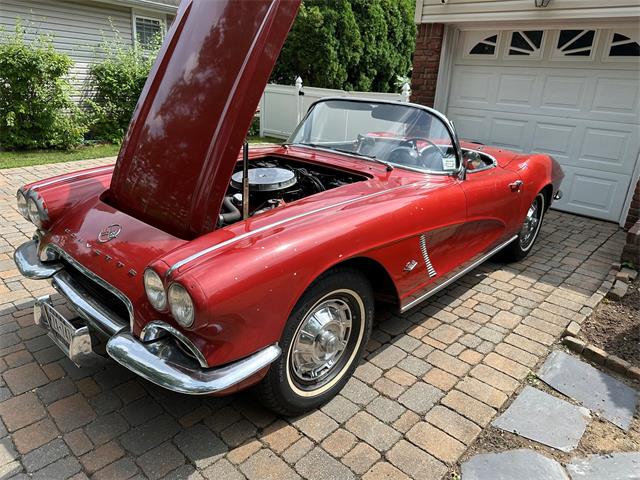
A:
{"x":181,"y":305}
{"x":159,"y":302}
{"x":21,"y":201}
{"x":32,"y":207}
{"x":34,"y":212}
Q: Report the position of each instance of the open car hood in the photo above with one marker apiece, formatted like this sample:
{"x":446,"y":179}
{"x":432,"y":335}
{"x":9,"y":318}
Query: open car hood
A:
{"x":195,"y":110}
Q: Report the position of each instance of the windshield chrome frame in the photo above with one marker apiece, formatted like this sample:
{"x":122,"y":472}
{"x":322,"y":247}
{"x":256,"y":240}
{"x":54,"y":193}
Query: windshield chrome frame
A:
{"x":460,"y":171}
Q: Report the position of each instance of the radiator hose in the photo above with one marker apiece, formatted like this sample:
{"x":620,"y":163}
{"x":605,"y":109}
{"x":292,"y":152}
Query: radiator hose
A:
{"x":232,"y":214}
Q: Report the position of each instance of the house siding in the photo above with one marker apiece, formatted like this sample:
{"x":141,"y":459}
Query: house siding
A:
{"x":434,"y":11}
{"x":77,"y":28}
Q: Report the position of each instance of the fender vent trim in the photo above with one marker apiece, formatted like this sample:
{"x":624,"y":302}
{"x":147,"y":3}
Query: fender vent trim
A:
{"x":425,"y":255}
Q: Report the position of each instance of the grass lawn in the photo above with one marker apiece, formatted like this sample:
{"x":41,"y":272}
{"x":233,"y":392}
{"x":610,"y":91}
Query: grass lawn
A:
{"x":257,"y":139}
{"x":40,"y":157}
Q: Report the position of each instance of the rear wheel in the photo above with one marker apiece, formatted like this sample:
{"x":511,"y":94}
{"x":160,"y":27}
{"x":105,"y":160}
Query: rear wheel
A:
{"x":521,"y":246}
{"x":321,"y":343}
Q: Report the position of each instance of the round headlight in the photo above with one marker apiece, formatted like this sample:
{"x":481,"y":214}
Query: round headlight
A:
{"x":22,"y":204}
{"x":181,"y":305}
{"x":33,"y":212}
{"x":155,"y":289}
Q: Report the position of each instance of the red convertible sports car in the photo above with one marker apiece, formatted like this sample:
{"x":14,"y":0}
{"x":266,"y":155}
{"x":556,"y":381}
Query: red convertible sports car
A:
{"x":206,"y":271}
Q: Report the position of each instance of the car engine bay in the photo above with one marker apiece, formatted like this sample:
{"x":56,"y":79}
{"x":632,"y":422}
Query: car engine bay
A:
{"x":274,"y":182}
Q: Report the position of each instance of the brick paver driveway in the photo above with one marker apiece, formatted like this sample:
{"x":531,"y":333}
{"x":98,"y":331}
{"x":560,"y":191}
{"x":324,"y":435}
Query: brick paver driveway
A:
{"x":433,"y":378}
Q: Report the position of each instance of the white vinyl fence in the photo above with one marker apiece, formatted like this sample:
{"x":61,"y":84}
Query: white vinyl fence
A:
{"x":283,"y":106}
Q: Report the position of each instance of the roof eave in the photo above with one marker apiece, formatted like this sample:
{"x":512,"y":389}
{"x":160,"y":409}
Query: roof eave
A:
{"x":144,"y":4}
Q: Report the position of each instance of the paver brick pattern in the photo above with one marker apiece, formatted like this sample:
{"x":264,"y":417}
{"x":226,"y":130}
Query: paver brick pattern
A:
{"x":432,"y":379}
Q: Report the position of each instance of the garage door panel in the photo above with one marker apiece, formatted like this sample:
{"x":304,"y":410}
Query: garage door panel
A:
{"x":596,"y":194}
{"x":508,"y":133}
{"x":517,"y":90}
{"x":554,"y":139}
{"x":617,"y":96}
{"x":474,"y":88}
{"x":607,"y":149}
{"x":563,"y":93}
{"x":605,"y":146}
{"x":581,"y":94}
{"x":473,"y":126}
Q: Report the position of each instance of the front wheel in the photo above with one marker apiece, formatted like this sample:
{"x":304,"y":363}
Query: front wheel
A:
{"x":322,"y":343}
{"x":521,"y":246}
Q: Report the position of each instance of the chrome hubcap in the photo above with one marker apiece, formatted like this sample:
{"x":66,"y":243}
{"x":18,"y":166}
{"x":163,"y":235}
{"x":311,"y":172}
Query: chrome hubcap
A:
{"x":530,"y":226}
{"x":321,"y":340}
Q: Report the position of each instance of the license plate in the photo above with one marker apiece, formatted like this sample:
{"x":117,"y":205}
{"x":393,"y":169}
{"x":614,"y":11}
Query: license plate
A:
{"x":60,"y":326}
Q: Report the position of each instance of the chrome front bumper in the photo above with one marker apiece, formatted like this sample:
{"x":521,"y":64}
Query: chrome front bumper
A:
{"x":160,"y":360}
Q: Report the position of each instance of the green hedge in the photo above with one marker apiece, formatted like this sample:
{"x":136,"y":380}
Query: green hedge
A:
{"x":115,"y":85}
{"x":36,"y":110}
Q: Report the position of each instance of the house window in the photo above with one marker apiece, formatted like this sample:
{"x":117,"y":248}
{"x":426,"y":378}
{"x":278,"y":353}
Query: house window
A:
{"x":575,"y":43}
{"x":486,"y":46}
{"x":526,"y":43}
{"x":147,"y":30}
{"x":623,"y":45}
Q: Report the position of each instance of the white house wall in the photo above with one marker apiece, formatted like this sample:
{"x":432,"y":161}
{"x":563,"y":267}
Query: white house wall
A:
{"x":78,"y":28}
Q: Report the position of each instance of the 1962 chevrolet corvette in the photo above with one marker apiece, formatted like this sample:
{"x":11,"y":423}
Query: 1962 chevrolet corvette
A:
{"x":206,"y":271}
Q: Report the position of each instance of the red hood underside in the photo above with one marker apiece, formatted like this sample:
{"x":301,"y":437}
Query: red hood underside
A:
{"x":195,"y":110}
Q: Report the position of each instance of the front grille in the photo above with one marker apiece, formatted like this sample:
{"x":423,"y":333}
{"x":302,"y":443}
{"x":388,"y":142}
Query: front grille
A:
{"x":102,"y":295}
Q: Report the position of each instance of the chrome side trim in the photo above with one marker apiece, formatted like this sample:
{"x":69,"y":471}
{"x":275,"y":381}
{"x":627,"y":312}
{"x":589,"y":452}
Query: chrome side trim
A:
{"x":85,"y":271}
{"x":461,"y":273}
{"x":46,"y":183}
{"x":29,"y":264}
{"x":157,"y":329}
{"x":170,"y":368}
{"x":425,"y":255}
{"x":240,"y":237}
{"x":95,"y":314}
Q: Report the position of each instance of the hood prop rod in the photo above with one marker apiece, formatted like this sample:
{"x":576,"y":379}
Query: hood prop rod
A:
{"x":245,"y":180}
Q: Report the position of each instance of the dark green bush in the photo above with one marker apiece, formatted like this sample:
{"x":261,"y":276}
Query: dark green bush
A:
{"x":115,"y":85}
{"x":349,"y":44}
{"x":36,"y":110}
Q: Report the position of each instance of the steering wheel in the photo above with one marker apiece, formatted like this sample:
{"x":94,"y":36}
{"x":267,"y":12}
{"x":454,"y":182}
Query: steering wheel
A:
{"x":413,"y":143}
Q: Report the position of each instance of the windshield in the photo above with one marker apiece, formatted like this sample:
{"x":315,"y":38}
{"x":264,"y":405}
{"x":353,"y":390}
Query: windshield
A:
{"x":399,"y":134}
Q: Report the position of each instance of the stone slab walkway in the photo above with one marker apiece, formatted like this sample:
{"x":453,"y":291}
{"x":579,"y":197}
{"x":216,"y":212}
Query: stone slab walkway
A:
{"x":524,"y":464}
{"x":432,"y":380}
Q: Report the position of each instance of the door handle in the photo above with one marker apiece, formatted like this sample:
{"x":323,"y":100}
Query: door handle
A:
{"x":516,"y":186}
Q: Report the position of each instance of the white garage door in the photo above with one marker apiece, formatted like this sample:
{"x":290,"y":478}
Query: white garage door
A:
{"x":572,"y":93}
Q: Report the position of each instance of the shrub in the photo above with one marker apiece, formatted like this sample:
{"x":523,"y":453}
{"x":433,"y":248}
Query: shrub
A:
{"x":349,"y":44}
{"x":115,"y":85}
{"x":36,"y":110}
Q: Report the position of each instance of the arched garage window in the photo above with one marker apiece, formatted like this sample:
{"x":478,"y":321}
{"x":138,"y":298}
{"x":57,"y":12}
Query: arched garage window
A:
{"x":575,"y":43}
{"x":623,"y":44}
{"x":481,"y":44}
{"x":526,"y":43}
{"x":485,"y":47}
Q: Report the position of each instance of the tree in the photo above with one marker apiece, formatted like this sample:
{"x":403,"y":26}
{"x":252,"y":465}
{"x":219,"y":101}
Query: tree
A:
{"x":349,"y":44}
